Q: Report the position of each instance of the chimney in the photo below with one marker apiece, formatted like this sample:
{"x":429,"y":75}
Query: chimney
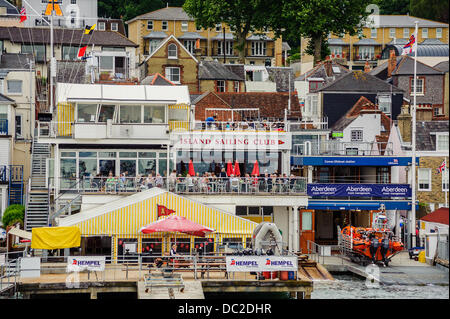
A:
{"x":367,"y":67}
{"x":328,"y":67}
{"x":404,"y":120}
{"x":392,"y":63}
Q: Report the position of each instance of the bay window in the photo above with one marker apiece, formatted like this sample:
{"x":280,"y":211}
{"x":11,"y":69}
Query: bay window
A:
{"x":258,"y":48}
{"x":228,"y":48}
{"x":366,"y":52}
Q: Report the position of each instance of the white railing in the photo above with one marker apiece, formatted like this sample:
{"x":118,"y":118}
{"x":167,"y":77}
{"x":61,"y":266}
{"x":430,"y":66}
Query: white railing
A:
{"x":309,"y":124}
{"x":264,"y":126}
{"x":340,"y":148}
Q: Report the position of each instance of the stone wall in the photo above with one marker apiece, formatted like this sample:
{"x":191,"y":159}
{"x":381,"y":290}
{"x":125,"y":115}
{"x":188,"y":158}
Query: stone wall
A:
{"x":435,"y":195}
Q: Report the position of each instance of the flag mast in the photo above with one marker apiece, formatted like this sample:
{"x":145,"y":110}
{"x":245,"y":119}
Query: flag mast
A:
{"x":413,"y":133}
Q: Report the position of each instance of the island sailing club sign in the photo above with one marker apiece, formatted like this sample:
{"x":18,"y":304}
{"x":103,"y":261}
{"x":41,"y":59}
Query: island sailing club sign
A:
{"x":359,"y":190}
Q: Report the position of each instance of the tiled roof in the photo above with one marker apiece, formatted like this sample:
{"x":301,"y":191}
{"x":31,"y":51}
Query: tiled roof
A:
{"x":228,"y":36}
{"x":156,"y":35}
{"x":191,"y":36}
{"x":280,"y":75}
{"x":406,"y":21}
{"x":15,"y":61}
{"x":237,"y":69}
{"x":432,"y":42}
{"x":259,"y":37}
{"x":398,"y":41}
{"x":270,"y":104}
{"x":319,"y":72}
{"x":438,"y":216}
{"x":213,"y":70}
{"x":168,"y":13}
{"x":425,"y":141}
{"x":64,"y":36}
{"x":358,"y":81}
{"x":366,"y":42}
{"x":336,"y":41}
{"x":406,"y":67}
{"x":443,"y":66}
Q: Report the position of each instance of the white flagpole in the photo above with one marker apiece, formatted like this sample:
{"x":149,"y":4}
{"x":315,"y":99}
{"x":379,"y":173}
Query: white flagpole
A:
{"x":413,"y":168}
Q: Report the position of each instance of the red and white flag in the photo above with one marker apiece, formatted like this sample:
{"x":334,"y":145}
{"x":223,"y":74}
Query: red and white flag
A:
{"x":442,"y":167}
{"x":81,"y":52}
{"x":23,"y":14}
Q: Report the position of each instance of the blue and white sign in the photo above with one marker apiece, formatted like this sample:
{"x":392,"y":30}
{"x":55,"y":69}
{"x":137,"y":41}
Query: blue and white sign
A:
{"x":261,"y":263}
{"x":359,"y":190}
{"x":353,"y":161}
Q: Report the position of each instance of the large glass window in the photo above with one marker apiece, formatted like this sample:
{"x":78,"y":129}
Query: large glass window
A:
{"x":228,"y":47}
{"x":69,"y":53}
{"x":128,"y":167}
{"x":153,"y":44}
{"x":147,"y":166}
{"x":154,"y":114}
{"x":107,"y":166}
{"x":86,"y":112}
{"x":106,"y":113}
{"x":106,"y":63}
{"x":38,"y":50}
{"x":68,"y":172}
{"x":189,"y":45}
{"x":442,"y":142}
{"x":259,"y":48}
{"x":130,"y":114}
{"x":336,"y":50}
{"x":173,"y":74}
{"x":366,"y":52}
{"x":87,"y":167}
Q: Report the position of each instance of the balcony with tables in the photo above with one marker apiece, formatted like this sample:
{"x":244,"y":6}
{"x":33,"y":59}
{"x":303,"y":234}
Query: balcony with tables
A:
{"x":203,"y":185}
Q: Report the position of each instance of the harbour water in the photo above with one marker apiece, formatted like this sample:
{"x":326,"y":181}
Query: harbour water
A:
{"x":352,"y":287}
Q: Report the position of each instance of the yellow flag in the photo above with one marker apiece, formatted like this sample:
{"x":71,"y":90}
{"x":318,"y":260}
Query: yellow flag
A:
{"x":88,"y":29}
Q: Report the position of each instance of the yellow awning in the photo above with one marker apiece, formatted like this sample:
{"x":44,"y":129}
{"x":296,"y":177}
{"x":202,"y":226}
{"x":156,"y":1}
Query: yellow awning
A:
{"x":55,"y":237}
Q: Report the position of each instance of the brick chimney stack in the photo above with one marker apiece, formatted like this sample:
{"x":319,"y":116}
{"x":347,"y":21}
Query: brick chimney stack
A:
{"x":367,"y":67}
{"x":392,"y":63}
{"x":404,"y":120}
{"x":328,"y":66}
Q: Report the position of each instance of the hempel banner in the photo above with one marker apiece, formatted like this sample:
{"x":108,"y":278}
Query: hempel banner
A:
{"x":261,"y":263}
{"x":80,"y":263}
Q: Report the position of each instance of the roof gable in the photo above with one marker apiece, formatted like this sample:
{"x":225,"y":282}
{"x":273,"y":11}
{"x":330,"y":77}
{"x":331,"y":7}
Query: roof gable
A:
{"x":358,"y":81}
{"x":438,"y":216}
{"x":167,"y":13}
{"x":406,"y":67}
{"x":213,"y":70}
{"x":164,"y":43}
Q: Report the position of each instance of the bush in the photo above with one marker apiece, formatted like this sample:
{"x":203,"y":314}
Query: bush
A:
{"x":13,"y":214}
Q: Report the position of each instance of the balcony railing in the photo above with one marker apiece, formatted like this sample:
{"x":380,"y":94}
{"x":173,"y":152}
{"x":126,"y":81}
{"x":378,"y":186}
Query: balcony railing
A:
{"x":309,"y":124}
{"x":339,"y":148}
{"x":258,"y":126}
{"x":187,"y":185}
{"x":3,"y":127}
{"x":13,"y":173}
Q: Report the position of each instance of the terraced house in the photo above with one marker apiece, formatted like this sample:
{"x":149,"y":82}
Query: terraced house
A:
{"x":381,"y":31}
{"x":150,"y":29}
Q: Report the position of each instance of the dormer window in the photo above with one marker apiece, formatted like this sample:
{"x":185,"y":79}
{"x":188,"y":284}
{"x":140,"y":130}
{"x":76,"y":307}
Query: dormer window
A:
{"x":315,"y":85}
{"x":172,"y":51}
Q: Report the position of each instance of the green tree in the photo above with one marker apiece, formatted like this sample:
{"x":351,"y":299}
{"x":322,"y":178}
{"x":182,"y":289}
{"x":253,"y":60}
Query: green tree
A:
{"x":392,"y":6}
{"x":242,"y":16}
{"x":316,"y":19}
{"x":13,"y":214}
{"x":430,"y":9}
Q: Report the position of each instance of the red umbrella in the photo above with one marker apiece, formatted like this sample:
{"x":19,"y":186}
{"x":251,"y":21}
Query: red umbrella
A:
{"x":191,"y":168}
{"x":230,"y":169}
{"x":175,"y":223}
{"x":255,"y":169}
{"x":237,"y":171}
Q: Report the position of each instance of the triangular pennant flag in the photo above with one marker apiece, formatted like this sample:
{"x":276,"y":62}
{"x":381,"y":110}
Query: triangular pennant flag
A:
{"x":88,"y":29}
{"x":81,"y":52}
{"x":23,"y":15}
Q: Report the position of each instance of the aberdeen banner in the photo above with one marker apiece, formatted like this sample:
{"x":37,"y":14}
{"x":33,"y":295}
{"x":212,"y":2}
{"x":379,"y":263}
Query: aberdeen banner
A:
{"x":261,"y":263}
{"x":359,"y":190}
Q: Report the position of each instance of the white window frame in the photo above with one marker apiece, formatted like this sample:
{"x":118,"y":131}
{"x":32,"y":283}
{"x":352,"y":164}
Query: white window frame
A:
{"x":258,"y":48}
{"x":14,"y":93}
{"x":406,"y":33}
{"x":19,"y":133}
{"x":164,"y":25}
{"x":169,"y":74}
{"x":368,"y":50}
{"x":228,"y":47}
{"x":388,"y":99}
{"x":170,"y":49}
{"x":220,"y":84}
{"x":420,"y":84}
{"x":116,"y":28}
{"x":445,"y":180}
{"x":189,"y":45}
{"x":426,"y":171}
{"x":442,"y":135}
{"x":356,"y":135}
{"x":237,"y":86}
{"x":425,"y":33}
{"x":218,"y":27}
{"x":101,"y":26}
{"x":392,"y":33}
{"x":149,"y":24}
{"x":153,"y":44}
{"x":373,"y":33}
{"x":336,"y":50}
{"x":184,"y":26}
{"x":438,"y":33}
